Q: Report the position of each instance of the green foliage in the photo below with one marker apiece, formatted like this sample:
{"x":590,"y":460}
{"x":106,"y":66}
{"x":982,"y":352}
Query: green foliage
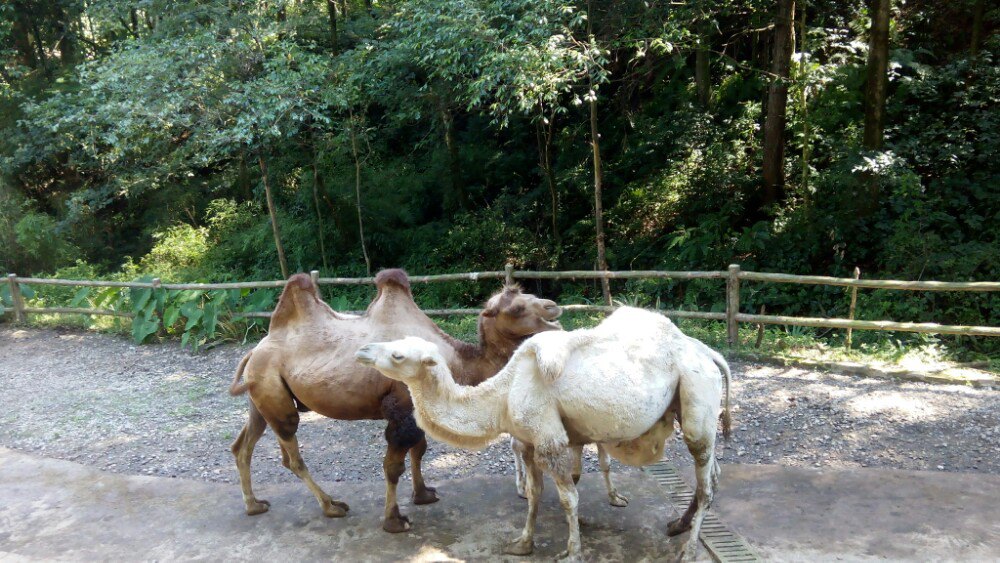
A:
{"x":136,"y":151}
{"x":176,"y":252}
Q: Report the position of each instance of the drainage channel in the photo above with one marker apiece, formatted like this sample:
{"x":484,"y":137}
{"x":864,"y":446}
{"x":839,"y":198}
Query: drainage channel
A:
{"x":724,"y":545}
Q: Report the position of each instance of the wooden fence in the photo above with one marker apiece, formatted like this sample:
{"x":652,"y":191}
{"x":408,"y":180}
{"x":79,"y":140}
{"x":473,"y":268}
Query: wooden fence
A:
{"x":732,"y":316}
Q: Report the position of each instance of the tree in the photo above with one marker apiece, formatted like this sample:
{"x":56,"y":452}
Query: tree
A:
{"x":702,"y":72}
{"x":773,"y":169}
{"x":595,"y":141}
{"x":876,"y":84}
{"x":978,"y":13}
{"x":272,"y":212}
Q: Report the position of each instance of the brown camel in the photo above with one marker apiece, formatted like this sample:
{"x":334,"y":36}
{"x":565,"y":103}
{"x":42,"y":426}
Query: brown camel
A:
{"x":306,"y":362}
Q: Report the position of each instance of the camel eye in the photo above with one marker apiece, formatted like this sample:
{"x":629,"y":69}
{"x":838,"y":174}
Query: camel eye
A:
{"x":397,"y":357}
{"x":516,"y":311}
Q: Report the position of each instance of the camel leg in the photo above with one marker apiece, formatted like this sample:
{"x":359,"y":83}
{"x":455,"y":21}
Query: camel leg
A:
{"x":559,"y":462}
{"x":394,"y":464}
{"x":699,"y":435}
{"x":331,"y":508}
{"x":276,"y":405}
{"x":422,"y":494}
{"x":518,"y":448}
{"x":604,"y":459}
{"x":525,"y":543}
{"x":242,"y":449}
{"x":683,"y":524}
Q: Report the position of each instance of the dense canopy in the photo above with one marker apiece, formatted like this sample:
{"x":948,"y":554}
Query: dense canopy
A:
{"x":245,"y":139}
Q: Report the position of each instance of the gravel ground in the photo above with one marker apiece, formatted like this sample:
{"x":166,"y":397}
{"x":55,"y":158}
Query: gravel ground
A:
{"x":159,"y":410}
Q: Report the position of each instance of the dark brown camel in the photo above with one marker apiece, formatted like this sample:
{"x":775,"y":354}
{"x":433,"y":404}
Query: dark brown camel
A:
{"x":306,"y":362}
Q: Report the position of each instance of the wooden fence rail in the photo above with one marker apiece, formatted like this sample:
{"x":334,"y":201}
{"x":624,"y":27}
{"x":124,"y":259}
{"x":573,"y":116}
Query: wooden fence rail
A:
{"x":732,"y":316}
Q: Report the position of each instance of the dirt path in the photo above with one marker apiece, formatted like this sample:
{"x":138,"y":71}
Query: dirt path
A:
{"x":159,"y":410}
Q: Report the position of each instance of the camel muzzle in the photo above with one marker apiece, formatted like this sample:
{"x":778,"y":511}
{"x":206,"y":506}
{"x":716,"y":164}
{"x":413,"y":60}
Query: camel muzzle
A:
{"x":366,"y":355}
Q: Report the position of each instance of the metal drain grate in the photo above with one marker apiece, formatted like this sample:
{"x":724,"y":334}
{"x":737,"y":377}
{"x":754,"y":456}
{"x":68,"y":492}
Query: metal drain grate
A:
{"x":724,"y":545}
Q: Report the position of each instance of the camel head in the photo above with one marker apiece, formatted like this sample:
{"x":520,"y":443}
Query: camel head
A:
{"x":517,"y":315}
{"x":404,"y":360}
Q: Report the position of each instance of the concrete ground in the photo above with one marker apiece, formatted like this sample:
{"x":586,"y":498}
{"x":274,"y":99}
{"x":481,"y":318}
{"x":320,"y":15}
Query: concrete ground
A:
{"x":52,"y":509}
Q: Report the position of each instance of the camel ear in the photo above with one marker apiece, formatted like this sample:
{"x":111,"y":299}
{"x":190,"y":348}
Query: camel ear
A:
{"x":491,"y":312}
{"x":428,"y":361}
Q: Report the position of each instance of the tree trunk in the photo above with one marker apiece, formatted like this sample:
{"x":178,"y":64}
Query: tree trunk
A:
{"x":67,"y":40}
{"x":454,"y":164}
{"x":22,"y":40}
{"x":544,"y":131}
{"x":317,"y":183}
{"x":133,"y":18}
{"x":777,"y":102}
{"x":331,"y":9}
{"x":878,"y":79}
{"x":357,"y":194}
{"x":602,"y":260}
{"x":977,"y":28}
{"x":595,"y":141}
{"x":803,"y":99}
{"x":369,"y":8}
{"x":39,"y":44}
{"x":876,"y":86}
{"x":273,"y":214}
{"x":702,"y":74}
{"x":243,"y":177}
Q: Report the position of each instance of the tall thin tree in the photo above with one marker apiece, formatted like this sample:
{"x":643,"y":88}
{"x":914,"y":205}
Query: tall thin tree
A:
{"x":595,"y":141}
{"x":978,"y":13}
{"x":877,"y":82}
{"x":876,"y":88}
{"x":273,"y":213}
{"x":702,"y":71}
{"x":357,"y":191}
{"x":777,"y":102}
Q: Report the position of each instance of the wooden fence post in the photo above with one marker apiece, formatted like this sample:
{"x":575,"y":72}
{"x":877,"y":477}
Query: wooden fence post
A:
{"x":733,"y":306}
{"x":15,"y":297}
{"x":854,"y":301}
{"x":508,"y":274}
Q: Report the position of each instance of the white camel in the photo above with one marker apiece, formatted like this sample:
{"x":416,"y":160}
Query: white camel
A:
{"x":619,"y":384}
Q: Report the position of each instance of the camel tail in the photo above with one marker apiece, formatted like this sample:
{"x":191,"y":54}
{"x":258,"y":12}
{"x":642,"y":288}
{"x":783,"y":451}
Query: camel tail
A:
{"x":240,"y":387}
{"x":726,"y":416}
{"x":727,"y":419}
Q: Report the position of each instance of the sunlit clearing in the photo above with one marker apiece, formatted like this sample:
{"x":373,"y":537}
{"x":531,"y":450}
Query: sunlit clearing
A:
{"x":912,"y":408}
{"x":447,"y":461}
{"x":431,"y":553}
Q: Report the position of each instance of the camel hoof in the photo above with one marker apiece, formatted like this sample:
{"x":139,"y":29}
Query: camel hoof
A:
{"x":690,"y":550}
{"x":617,"y":500}
{"x":566,"y":557}
{"x":576,"y":479}
{"x":397,"y":524}
{"x":522,"y":495}
{"x":341,"y":505}
{"x":334,"y":511}
{"x":426,"y":496}
{"x":259,"y":507}
{"x":519,"y":547}
{"x":677,"y":527}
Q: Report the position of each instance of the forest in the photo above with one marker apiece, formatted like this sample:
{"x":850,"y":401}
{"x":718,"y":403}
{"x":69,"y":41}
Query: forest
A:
{"x":237,"y":140}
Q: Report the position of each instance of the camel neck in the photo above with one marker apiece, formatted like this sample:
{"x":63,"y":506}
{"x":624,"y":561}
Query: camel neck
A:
{"x":463,"y":416}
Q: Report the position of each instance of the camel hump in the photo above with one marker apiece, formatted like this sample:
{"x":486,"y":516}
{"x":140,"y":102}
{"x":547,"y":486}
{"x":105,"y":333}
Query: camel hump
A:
{"x":392,"y":276}
{"x":552,"y":350}
{"x":298,"y":297}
